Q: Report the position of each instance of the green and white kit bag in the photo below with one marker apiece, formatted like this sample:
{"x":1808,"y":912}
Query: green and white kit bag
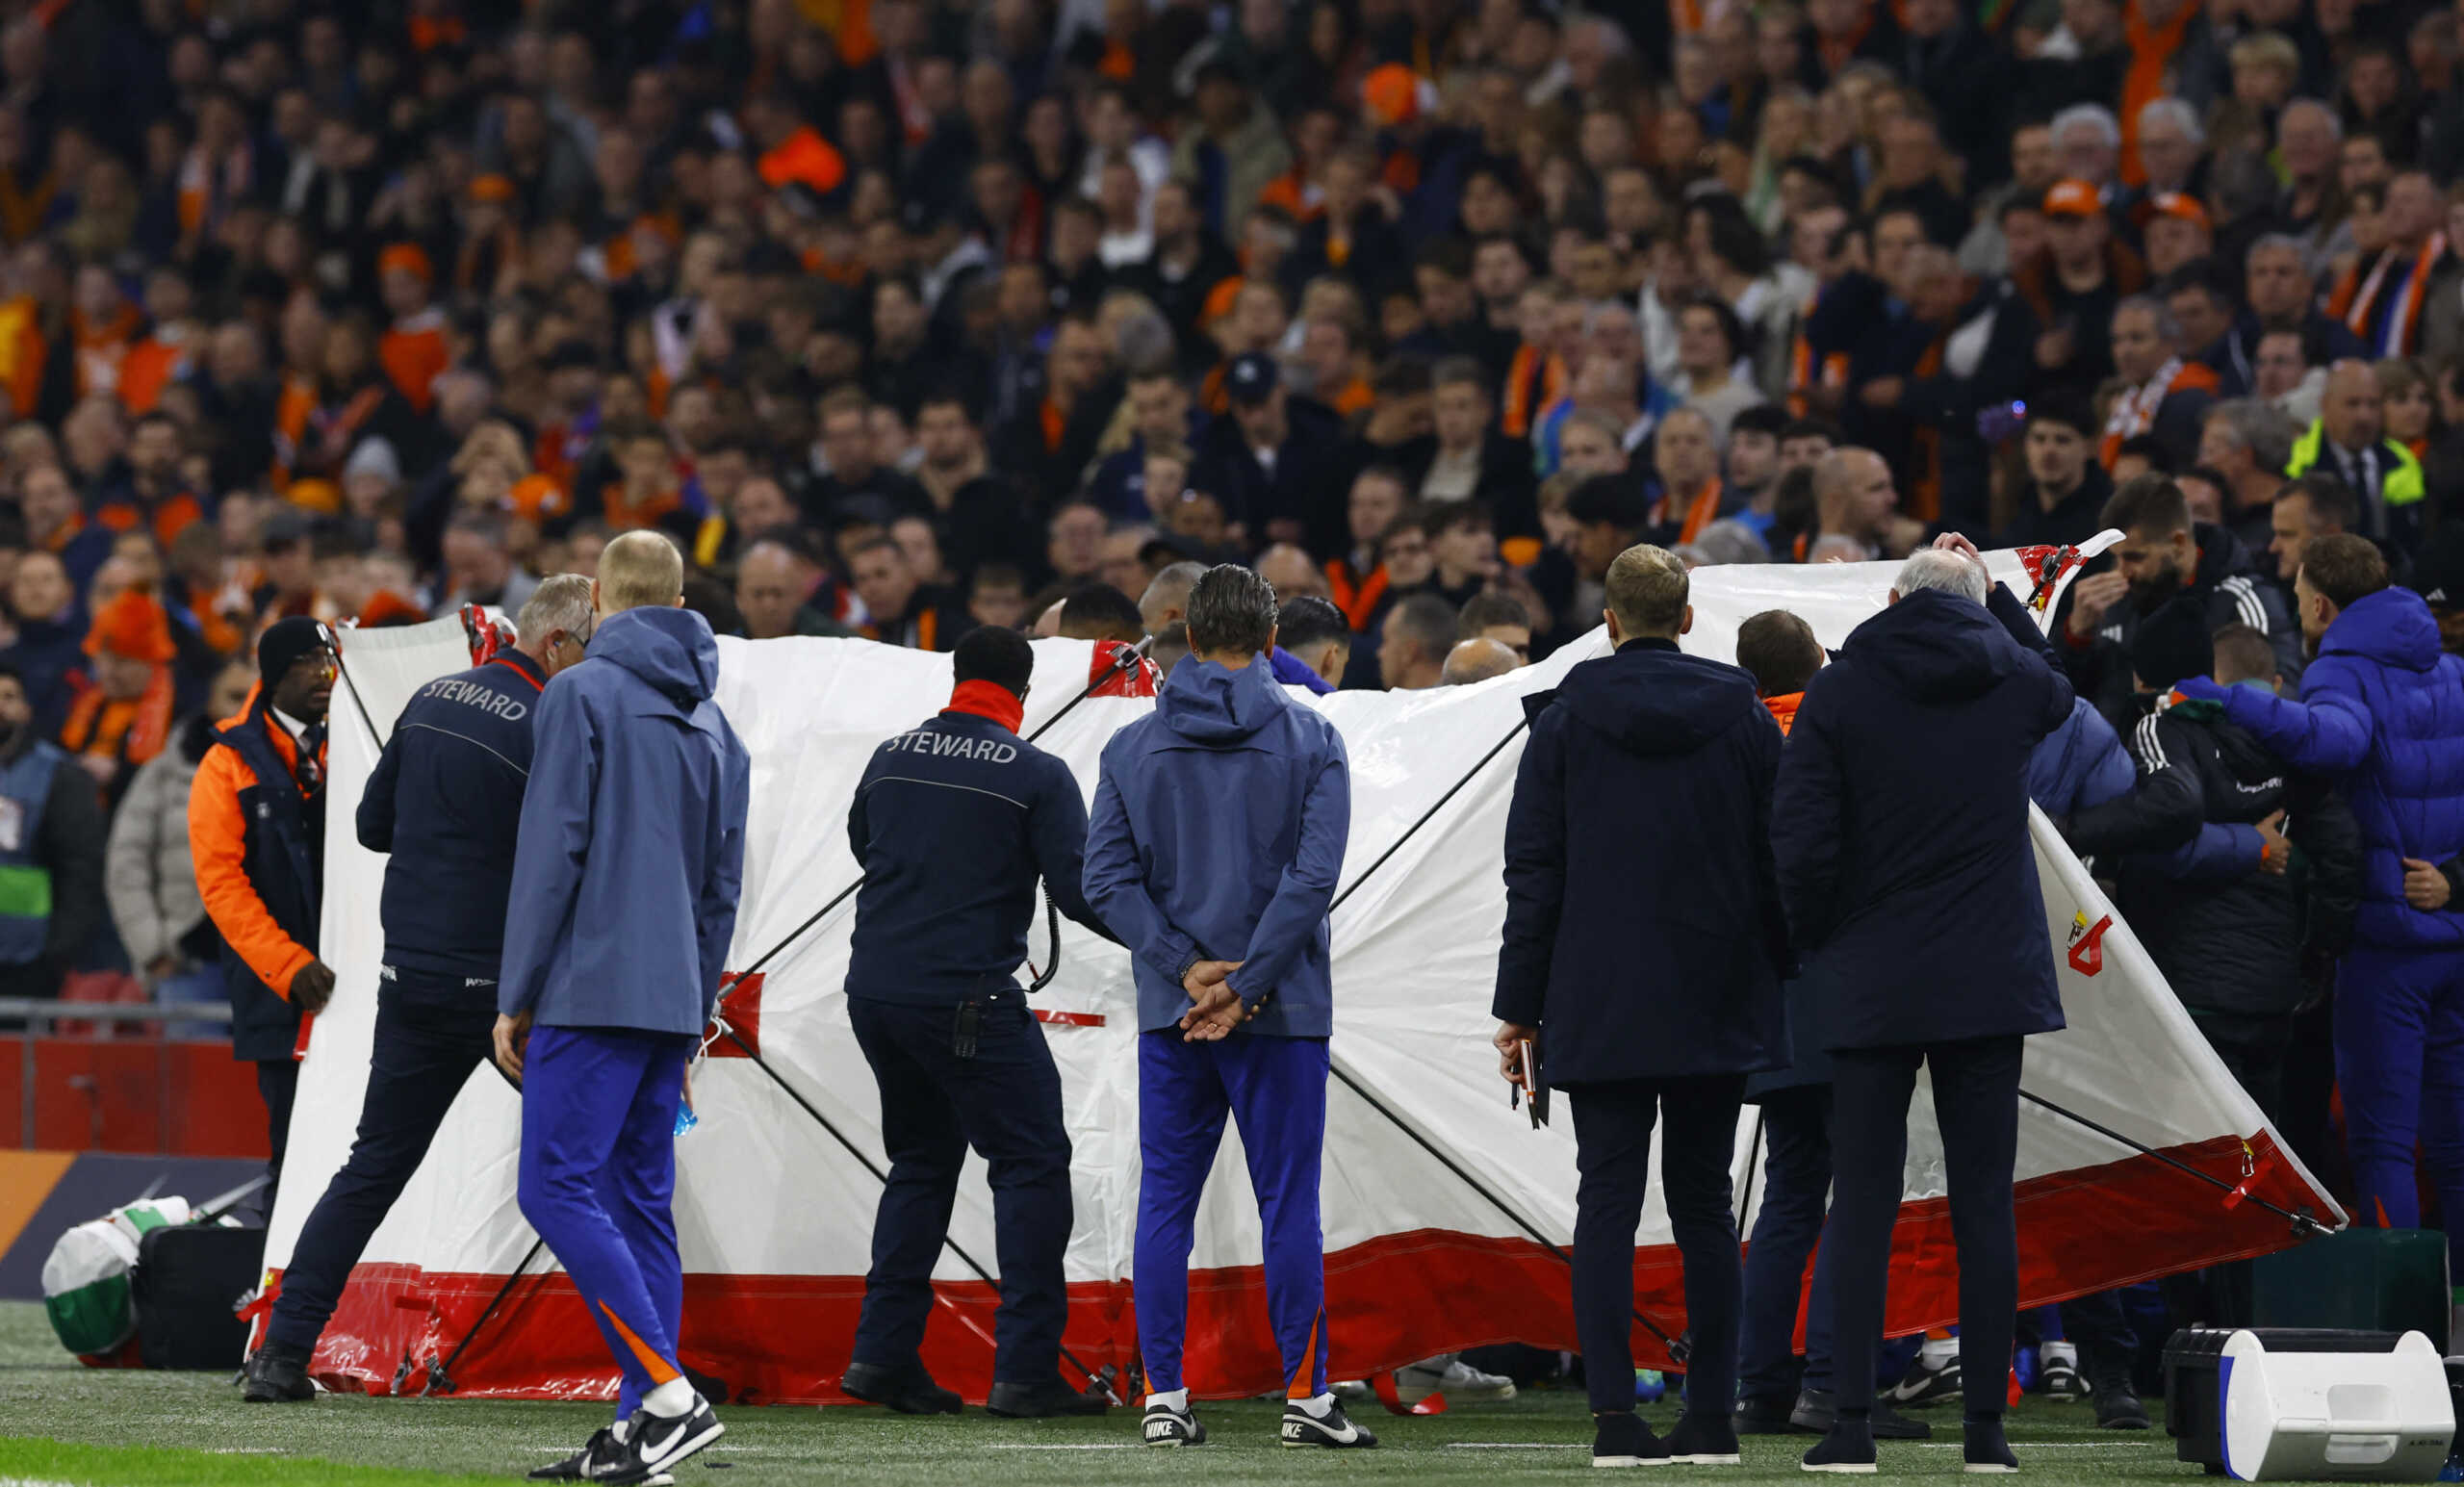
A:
{"x":85,"y":1281}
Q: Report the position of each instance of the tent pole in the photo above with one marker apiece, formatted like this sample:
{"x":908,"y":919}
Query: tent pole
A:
{"x":2303,"y":1224}
{"x":441,"y":1377}
{"x":1091,"y":1377}
{"x":1439,"y":804}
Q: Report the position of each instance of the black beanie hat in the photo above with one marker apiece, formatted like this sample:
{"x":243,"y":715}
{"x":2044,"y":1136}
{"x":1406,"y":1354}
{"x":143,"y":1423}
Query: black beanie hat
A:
{"x":2171,"y":644}
{"x":284,"y":643}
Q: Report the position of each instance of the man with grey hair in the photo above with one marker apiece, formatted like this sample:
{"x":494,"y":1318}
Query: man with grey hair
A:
{"x":1900,"y":828}
{"x":1647,"y":781}
{"x":2248,"y":442}
{"x":2169,"y":140}
{"x":2087,"y":140}
{"x":1212,"y":853}
{"x":444,"y":800}
{"x":1167,"y":599}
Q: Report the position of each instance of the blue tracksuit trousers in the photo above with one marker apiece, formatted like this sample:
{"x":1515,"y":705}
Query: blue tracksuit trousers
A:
{"x":598,"y":1181}
{"x":1276,"y":1088}
{"x":2399,"y":1061}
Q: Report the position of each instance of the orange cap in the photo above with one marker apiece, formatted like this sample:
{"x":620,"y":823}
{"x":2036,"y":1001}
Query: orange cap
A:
{"x":1390,"y":93}
{"x":322,"y":497}
{"x":2181,"y":204}
{"x":132,"y":626}
{"x":407,"y":257}
{"x":2072,"y":198}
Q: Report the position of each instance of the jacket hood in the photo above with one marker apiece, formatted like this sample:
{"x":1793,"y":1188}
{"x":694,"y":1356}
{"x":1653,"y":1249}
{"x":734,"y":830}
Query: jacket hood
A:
{"x":1937,"y":647}
{"x":1210,"y":703}
{"x":2393,"y":627}
{"x":1654,"y":701}
{"x":673,"y":650}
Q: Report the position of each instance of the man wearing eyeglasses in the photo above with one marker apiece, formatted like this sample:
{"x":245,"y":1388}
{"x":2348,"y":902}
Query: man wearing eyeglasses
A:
{"x":445,"y":800}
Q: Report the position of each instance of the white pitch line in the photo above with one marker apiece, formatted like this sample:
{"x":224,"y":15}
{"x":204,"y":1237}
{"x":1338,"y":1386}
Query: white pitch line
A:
{"x":2042,"y":1445}
{"x":1509,"y":1446}
{"x":1070,"y":1445}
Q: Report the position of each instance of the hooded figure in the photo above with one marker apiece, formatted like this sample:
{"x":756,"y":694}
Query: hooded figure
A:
{"x":626,"y":876}
{"x":1900,"y":825}
{"x":1212,"y":852}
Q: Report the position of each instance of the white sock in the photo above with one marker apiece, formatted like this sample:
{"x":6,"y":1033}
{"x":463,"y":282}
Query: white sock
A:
{"x":1317,"y":1408}
{"x":1177,"y":1401}
{"x":672,"y":1398}
{"x":1940,"y":1350}
{"x":621,"y":1430}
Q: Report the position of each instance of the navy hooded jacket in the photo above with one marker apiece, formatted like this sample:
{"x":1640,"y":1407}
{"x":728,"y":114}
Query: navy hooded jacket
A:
{"x":632,"y":853}
{"x":1643,"y":928}
{"x":954,"y":821}
{"x":446,"y":800}
{"x":1900,"y":825}
{"x":1217,"y":834}
{"x":2383,"y":711}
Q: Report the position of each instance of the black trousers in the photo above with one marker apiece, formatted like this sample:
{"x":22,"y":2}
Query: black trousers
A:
{"x":277,"y":1085}
{"x":1612,"y":1150}
{"x":426,"y":1045}
{"x":1796,"y":1196}
{"x":1004,"y":1100}
{"x":1976,"y":1107}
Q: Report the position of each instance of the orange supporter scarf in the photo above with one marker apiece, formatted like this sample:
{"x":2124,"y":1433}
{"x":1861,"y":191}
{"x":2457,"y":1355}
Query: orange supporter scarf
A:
{"x":1925,"y":484}
{"x":1533,"y":380}
{"x":1055,"y":423}
{"x":1357,"y":600}
{"x":291,"y":411}
{"x":131,"y":730}
{"x":207,"y":189}
{"x":2152,"y":53}
{"x":150,"y":367}
{"x":101,"y":349}
{"x":628,"y":515}
{"x":175,"y":515}
{"x":2357,"y":305}
{"x":413,"y":356}
{"x":1700,"y":512}
{"x":2133,"y":412}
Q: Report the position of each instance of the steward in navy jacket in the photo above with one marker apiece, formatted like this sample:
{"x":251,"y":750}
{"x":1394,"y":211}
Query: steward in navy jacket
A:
{"x":953,"y":821}
{"x":1645,"y":964}
{"x":1900,"y":822}
{"x":446,"y":800}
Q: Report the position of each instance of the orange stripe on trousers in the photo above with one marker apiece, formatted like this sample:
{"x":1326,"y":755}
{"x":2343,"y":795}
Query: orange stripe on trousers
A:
{"x":657,"y":1367}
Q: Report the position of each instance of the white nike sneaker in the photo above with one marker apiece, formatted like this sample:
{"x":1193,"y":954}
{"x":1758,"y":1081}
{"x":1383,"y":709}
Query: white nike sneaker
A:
{"x":1333,"y":1429}
{"x":1450,"y":1376}
{"x":654,"y":1444}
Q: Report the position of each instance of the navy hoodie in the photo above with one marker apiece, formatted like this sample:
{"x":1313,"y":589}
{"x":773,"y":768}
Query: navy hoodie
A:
{"x":1643,"y":928}
{"x":632,"y":853}
{"x":1218,"y":833}
{"x":1900,"y":823}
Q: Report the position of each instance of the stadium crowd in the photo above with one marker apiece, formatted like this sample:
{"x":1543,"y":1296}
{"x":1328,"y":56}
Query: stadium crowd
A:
{"x":907,"y":317}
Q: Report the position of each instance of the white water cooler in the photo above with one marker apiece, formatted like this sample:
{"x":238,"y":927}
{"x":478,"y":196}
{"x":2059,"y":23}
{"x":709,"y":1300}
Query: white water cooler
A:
{"x":2298,"y":1415}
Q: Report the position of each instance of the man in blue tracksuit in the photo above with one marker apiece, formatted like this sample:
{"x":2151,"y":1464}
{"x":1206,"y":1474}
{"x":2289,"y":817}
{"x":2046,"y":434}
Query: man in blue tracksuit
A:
{"x":1647,"y":782}
{"x":444,"y":800}
{"x":2382,"y":712}
{"x":624,"y":890}
{"x":1217,"y":836}
{"x":954,"y":821}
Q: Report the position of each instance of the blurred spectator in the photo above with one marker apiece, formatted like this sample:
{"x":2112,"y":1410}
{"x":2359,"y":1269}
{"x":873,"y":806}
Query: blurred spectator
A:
{"x":51,"y":853}
{"x":154,"y":900}
{"x":1414,"y":643}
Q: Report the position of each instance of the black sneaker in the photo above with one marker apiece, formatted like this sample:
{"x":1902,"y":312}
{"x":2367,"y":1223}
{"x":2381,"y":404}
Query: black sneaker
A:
{"x":1757,"y":1415}
{"x":1988,"y":1452}
{"x":908,"y":1390}
{"x":596,"y":1459}
{"x":1333,"y":1429}
{"x":1847,"y":1451}
{"x":277,"y":1374}
{"x":653,"y":1444}
{"x":1818,"y":1410}
{"x":1927,"y":1384}
{"x":1622,"y":1438}
{"x":1038,"y":1401}
{"x":1167,"y":1427}
{"x":2117,"y":1408}
{"x":1704,"y":1440}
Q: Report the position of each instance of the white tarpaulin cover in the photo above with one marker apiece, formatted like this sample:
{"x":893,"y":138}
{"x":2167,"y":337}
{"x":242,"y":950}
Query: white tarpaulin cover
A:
{"x":776,"y":1215}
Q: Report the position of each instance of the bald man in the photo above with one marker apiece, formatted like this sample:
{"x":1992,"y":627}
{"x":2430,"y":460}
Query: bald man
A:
{"x":2348,"y":439}
{"x":625,"y":882}
{"x":1855,"y":498}
{"x":1478,"y":660}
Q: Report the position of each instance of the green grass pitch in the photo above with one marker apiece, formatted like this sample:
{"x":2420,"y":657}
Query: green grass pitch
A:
{"x":63,"y":1424}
